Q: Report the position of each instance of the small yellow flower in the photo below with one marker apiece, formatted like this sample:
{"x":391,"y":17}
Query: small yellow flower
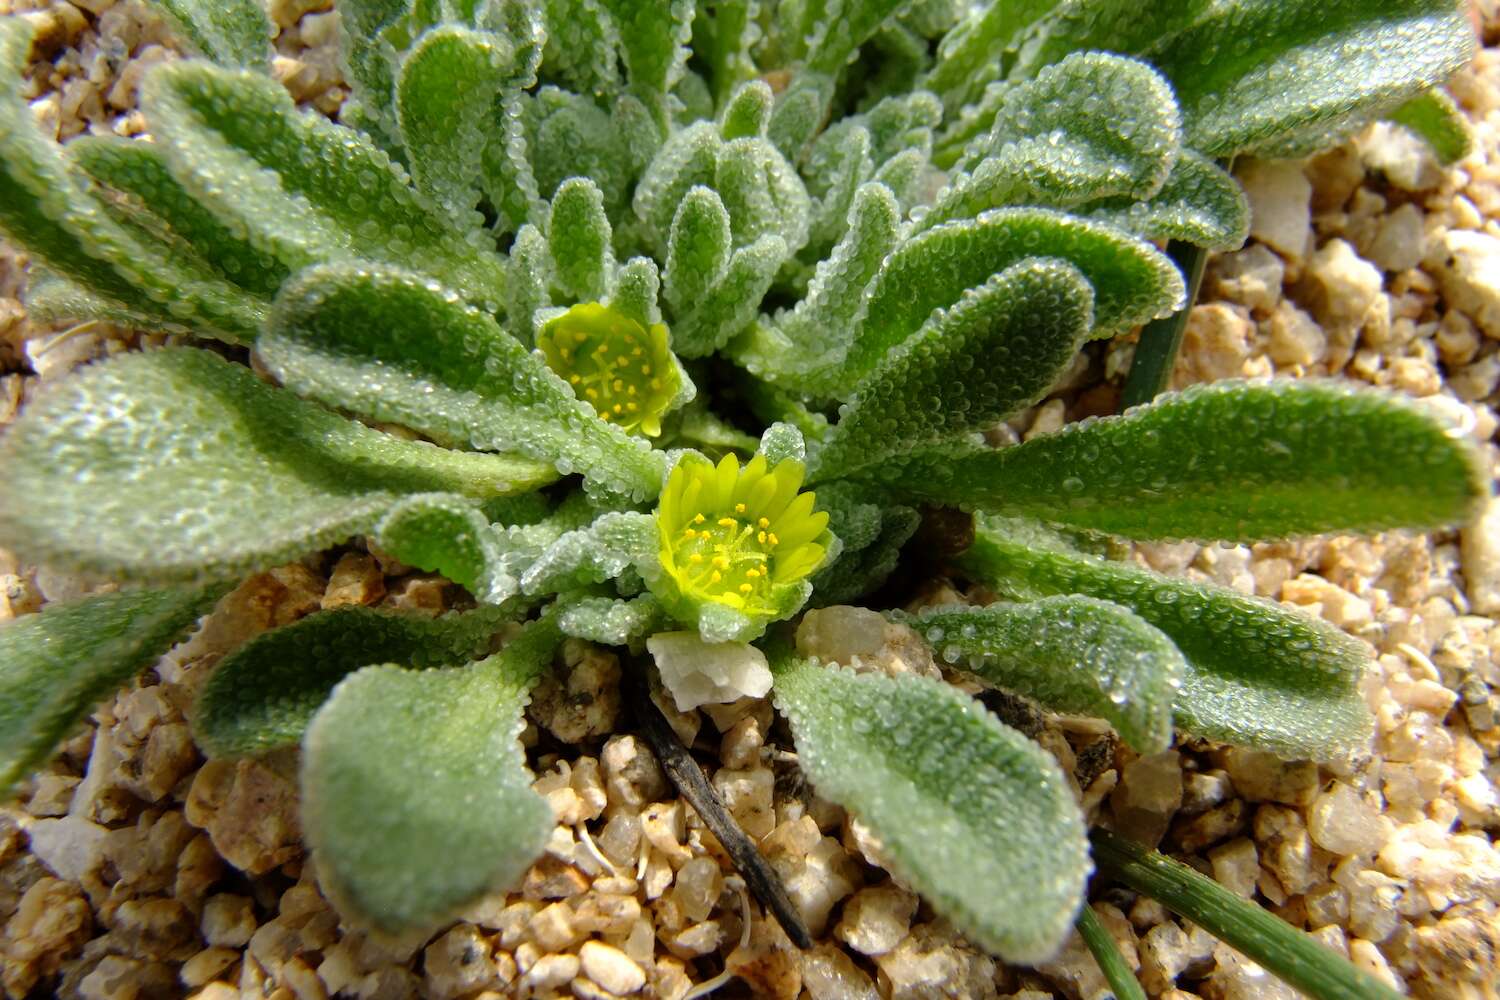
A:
{"x":742,"y":537}
{"x":620,"y":368}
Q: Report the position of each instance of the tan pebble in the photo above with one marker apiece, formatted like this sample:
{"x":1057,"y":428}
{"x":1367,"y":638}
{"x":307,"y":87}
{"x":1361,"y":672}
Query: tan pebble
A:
{"x":1194,"y":833}
{"x":356,"y":580}
{"x":747,"y":793}
{"x":121,"y":978}
{"x":250,"y":811}
{"x":228,"y":920}
{"x":602,"y":912}
{"x":1366,"y":956}
{"x":579,"y":699}
{"x":694,"y":941}
{"x":632,"y":776}
{"x":550,"y":878}
{"x":549,"y":972}
{"x":1236,"y":866}
{"x":828,"y":973}
{"x":611,"y":968}
{"x":217,"y":991}
{"x":874,"y":920}
{"x":1215,"y":344}
{"x":1148,"y":795}
{"x":51,"y":923}
{"x":458,"y":964}
{"x":1294,"y":338}
{"x":553,"y":929}
{"x":208,"y":964}
{"x":767,"y":963}
{"x":1280,"y":199}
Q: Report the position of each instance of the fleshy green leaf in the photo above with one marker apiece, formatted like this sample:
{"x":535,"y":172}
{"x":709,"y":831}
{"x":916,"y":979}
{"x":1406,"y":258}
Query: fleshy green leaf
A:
{"x":805,"y":349}
{"x":1133,"y":282}
{"x":1199,"y":204}
{"x":843,"y":28}
{"x":1070,"y":653}
{"x":530,"y":280}
{"x":1232,"y":461}
{"x":1257,"y":674}
{"x":685,"y":161}
{"x":1249,"y":72}
{"x":582,"y":46}
{"x":443,"y":744}
{"x":994,"y":352}
{"x":579,"y":238}
{"x":653,"y":45}
{"x":447,"y":534}
{"x":732,"y":304}
{"x":1119,"y":25}
{"x":970,"y":55}
{"x":698,"y":249}
{"x":595,"y":554}
{"x":45,"y":207}
{"x":137,"y":187}
{"x":576,"y":138}
{"x":396,"y":348}
{"x":1439,"y":121}
{"x":263,"y":695}
{"x":1047,"y":146}
{"x":637,"y":285}
{"x":762,"y":193}
{"x":445,"y":101}
{"x":368,"y":62}
{"x":300,"y":187}
{"x":175,"y":464}
{"x":56,"y":666}
{"x":968,"y":811}
{"x":233,"y":33}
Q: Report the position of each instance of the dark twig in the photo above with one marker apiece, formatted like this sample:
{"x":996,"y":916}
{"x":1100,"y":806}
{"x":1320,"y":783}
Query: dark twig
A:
{"x":687,"y":776}
{"x":1156,"y":353}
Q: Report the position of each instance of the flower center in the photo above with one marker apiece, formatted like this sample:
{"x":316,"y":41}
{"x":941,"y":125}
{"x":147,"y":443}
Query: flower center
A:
{"x":728,"y":557}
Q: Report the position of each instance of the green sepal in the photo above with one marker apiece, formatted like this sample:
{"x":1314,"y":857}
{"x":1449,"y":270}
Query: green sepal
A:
{"x":57,"y":665}
{"x":262,"y":696}
{"x":394,"y":346}
{"x":967,"y":811}
{"x":1071,"y":654}
{"x":442,"y":743}
{"x":1231,"y":461}
{"x":1256,"y":673}
{"x":173,"y":465}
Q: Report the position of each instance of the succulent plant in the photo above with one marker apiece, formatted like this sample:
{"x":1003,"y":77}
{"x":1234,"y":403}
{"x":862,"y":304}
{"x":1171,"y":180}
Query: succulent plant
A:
{"x":688,"y":314}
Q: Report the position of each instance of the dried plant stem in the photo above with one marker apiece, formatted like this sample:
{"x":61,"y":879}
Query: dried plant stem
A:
{"x":1262,"y":936}
{"x":687,"y":776}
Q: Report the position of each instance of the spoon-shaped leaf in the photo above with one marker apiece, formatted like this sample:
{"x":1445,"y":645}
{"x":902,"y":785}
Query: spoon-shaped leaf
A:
{"x":393,"y":346}
{"x":1199,"y":204}
{"x":56,"y":666}
{"x":972,"y":814}
{"x":263,"y":695}
{"x":416,"y":797}
{"x":1256,"y":674}
{"x":997,"y":350}
{"x":176,"y":464}
{"x":1232,"y":461}
{"x":1070,"y":653}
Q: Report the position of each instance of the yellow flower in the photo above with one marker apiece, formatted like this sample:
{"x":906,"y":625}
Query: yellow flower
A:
{"x":623,"y":370}
{"x":740,"y":537}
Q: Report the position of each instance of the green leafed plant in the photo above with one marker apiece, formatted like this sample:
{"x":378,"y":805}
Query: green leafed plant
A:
{"x":687,"y":311}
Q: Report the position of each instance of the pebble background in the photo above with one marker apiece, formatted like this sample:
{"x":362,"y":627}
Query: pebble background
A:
{"x":131,"y":868}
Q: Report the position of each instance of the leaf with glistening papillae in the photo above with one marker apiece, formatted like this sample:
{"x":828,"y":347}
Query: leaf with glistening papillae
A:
{"x":230,"y":32}
{"x":1199,"y":204}
{"x":263,"y":695}
{"x":172,"y":465}
{"x":1231,"y":461}
{"x":1256,"y":674}
{"x":969,"y":812}
{"x":995,"y":351}
{"x":443,"y":744}
{"x":393,"y":346}
{"x":1072,"y":654}
{"x":57,"y":665}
